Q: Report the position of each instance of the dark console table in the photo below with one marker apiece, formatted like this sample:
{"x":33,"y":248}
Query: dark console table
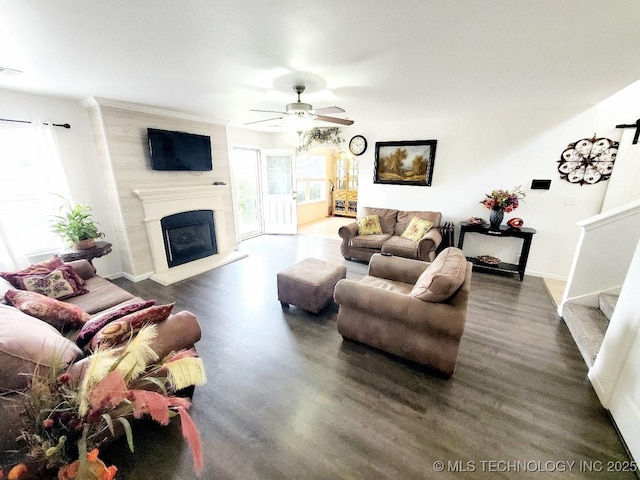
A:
{"x":100,"y":249}
{"x":525,"y":234}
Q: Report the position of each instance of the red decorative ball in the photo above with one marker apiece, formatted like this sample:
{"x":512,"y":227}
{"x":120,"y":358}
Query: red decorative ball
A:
{"x":515,"y":222}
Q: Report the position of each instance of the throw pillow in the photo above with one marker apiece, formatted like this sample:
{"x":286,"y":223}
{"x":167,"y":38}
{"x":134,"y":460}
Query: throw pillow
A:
{"x":5,"y":286}
{"x":369,"y":225}
{"x":60,"y":315}
{"x":443,"y":276}
{"x":28,"y":344}
{"x":89,"y":329}
{"x":416,"y":229}
{"x":41,"y":268}
{"x":59,"y":283}
{"x":35,"y":268}
{"x":121,"y":330}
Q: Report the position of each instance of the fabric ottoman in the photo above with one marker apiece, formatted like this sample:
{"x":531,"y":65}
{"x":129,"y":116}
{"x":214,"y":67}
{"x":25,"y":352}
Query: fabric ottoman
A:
{"x":309,"y":284}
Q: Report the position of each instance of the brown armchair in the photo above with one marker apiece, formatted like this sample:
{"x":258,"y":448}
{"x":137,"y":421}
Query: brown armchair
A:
{"x":413,"y":309}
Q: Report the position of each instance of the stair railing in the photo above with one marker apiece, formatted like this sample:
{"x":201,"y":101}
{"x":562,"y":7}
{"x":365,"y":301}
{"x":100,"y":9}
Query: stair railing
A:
{"x":604,"y":251}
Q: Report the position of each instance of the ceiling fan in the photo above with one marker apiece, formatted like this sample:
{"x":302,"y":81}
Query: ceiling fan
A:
{"x":300,"y":112}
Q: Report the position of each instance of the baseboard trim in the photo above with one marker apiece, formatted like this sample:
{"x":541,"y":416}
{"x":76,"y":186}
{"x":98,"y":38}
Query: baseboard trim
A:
{"x":113,"y":276}
{"x":136,"y":278}
{"x":552,"y":276}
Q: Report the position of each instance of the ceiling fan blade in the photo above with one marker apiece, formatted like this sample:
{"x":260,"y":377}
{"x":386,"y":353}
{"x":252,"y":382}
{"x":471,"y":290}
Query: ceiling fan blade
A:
{"x":328,"y":110}
{"x":269,"y":111}
{"x":341,"y":121}
{"x":265,"y":120}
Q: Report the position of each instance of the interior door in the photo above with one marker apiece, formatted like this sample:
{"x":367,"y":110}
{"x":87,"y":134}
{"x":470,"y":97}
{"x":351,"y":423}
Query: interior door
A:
{"x":279,"y":205}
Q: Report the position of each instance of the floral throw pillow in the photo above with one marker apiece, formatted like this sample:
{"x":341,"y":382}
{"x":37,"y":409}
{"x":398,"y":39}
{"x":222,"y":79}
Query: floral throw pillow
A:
{"x":61,"y":315}
{"x":120,"y":330}
{"x":59,"y":283}
{"x":17,"y":277}
{"x":94,"y":325}
{"x":416,"y":229}
{"x":369,"y":225}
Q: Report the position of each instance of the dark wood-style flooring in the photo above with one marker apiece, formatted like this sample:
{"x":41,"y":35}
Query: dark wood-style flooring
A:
{"x":287,"y":398}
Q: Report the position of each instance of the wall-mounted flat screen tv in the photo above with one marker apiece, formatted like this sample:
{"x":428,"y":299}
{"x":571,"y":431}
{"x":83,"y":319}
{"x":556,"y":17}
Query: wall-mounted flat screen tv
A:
{"x":179,"y":151}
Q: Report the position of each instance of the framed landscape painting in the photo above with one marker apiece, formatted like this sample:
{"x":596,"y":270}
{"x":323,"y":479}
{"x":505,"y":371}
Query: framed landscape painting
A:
{"x":405,"y":163}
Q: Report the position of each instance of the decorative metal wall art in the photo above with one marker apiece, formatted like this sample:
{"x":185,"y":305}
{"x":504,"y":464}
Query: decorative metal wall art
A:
{"x":588,"y":161}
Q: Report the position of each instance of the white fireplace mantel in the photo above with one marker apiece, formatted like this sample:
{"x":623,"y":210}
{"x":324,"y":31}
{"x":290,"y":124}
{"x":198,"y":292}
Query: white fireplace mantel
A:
{"x":169,"y":200}
{"x":158,"y":203}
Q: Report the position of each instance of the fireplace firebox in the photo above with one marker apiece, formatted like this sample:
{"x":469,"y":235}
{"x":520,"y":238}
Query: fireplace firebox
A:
{"x":189,"y":236}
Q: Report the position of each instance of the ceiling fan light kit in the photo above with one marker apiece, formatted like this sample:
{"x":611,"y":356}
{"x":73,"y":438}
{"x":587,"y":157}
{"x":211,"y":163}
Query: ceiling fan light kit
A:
{"x":299,"y":123}
{"x":299,"y":116}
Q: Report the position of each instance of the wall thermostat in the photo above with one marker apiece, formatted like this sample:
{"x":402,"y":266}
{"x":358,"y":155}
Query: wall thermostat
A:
{"x":540,"y":184}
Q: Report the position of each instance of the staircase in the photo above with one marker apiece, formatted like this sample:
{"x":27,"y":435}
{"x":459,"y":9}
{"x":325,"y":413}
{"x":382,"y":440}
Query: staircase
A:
{"x":589,"y":324}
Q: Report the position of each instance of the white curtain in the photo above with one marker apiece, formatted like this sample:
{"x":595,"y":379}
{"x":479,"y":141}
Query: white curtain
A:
{"x":32,"y":180}
{"x":10,"y":256}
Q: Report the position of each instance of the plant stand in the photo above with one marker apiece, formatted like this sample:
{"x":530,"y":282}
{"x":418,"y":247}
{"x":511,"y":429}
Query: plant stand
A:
{"x":100,"y":249}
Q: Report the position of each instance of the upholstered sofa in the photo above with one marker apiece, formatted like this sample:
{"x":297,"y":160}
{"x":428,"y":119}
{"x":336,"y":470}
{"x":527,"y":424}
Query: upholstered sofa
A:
{"x":28,"y":343}
{"x":393,"y":224}
{"x":413,"y":309}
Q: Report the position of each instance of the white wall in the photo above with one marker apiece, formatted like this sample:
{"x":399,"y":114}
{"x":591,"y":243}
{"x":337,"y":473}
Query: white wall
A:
{"x":476,"y":152}
{"x":502,"y":148}
{"x":242,"y":137}
{"x":624,"y":186}
{"x":78,"y":154}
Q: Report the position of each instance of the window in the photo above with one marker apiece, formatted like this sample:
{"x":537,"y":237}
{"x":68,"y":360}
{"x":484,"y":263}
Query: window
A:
{"x":278,"y":175}
{"x":245,"y":166}
{"x":311,"y":178}
{"x":30,"y":174}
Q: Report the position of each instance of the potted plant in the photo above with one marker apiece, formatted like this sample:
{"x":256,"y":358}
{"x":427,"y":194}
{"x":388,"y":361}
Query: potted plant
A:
{"x":76,"y":226}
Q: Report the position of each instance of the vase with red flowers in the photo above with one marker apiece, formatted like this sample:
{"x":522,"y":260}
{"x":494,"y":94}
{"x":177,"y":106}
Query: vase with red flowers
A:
{"x":500,"y":201}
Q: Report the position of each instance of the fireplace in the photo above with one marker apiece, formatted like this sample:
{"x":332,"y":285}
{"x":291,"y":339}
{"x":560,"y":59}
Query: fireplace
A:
{"x":164,"y":202}
{"x":188,"y":236}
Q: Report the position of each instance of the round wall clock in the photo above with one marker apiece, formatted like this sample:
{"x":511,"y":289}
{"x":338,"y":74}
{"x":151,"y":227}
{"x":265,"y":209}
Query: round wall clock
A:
{"x":358,"y":145}
{"x":588,"y":161}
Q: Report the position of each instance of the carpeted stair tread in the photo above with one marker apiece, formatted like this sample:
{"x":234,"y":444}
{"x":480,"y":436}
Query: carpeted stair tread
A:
{"x":587,"y":326}
{"x":607,"y":302}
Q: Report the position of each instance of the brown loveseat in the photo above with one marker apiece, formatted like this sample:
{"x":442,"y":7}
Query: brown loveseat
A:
{"x":393,"y":223}
{"x":409,"y":308}
{"x":27,"y":342}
